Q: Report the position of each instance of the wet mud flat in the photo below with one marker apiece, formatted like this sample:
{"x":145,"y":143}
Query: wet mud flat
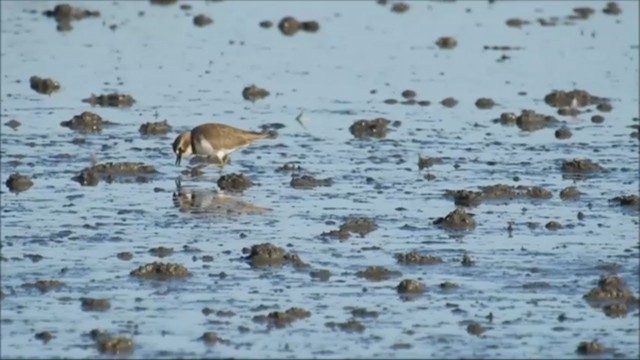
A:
{"x":468,"y":193}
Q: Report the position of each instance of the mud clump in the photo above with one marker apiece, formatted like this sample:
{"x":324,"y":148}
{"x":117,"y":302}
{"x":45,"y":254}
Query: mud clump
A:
{"x":588,"y":348}
{"x":234,"y":182}
{"x":377,"y":273}
{"x":449,"y":102}
{"x":65,"y":13}
{"x":413,"y":258}
{"x":86,"y":122}
{"x":627,"y":200}
{"x":160,"y":271}
{"x":446,"y":42}
{"x":516,"y":23}
{"x":44,"y":285}
{"x":475,"y":329}
{"x":109,"y":172}
{"x":110,"y":100}
{"x":615,"y":310}
{"x":458,"y":219}
{"x":211,"y":338}
{"x":360,"y":226}
{"x":114,"y":344}
{"x":155,"y":128}
{"x":18,"y":183}
{"x":563,"y":133}
{"x":321,"y":275}
{"x":91,"y":304}
{"x":466,"y":198}
{"x":161,"y":251}
{"x":410,"y":286}
{"x":597,"y":119}
{"x":364,"y":313}
{"x":43,"y":86}
{"x":553,"y":225}
{"x":267,"y":254}
{"x":279,"y":319}
{"x":44,"y":336}
{"x":581,"y":166}
{"x":529,"y":120}
{"x":376,"y":128}
{"x":351,"y":326}
{"x":310,"y":26}
{"x":408,"y":94}
{"x":425,"y":162}
{"x":202,"y":20}
{"x":572,"y":99}
{"x":485,"y":103}
{"x":253,"y":93}
{"x":309,"y":182}
{"x":13,"y":123}
{"x":612,"y":8}
{"x":570,"y":193}
{"x":399,"y":7}
{"x":610,"y":289}
{"x":265,"y":24}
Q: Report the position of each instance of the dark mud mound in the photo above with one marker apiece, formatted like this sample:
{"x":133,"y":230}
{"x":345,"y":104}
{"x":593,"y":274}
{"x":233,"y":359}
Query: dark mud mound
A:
{"x":350,"y":326}
{"x":612,"y":8}
{"x":581,"y":166}
{"x":529,"y":120}
{"x":570,"y":193}
{"x":573,"y":99}
{"x":114,"y":345}
{"x":610,"y":290}
{"x":485,"y":103}
{"x":110,"y":100}
{"x":211,"y":338}
{"x":92,"y":304}
{"x":161,"y":271}
{"x":201,"y":20}
{"x":13,"y":123}
{"x":563,"y":133}
{"x":234,"y":183}
{"x":449,"y":102}
{"x":44,"y":285}
{"x":408,"y":94}
{"x":414,"y":258}
{"x":399,"y":7}
{"x":458,"y":219}
{"x":376,"y":128}
{"x":446,"y":42}
{"x":590,"y":348}
{"x":471,"y":198}
{"x":110,"y":172}
{"x":309,"y":182}
{"x":269,"y":255}
{"x":475,"y":328}
{"x":43,"y":86}
{"x":253,"y":93}
{"x":64,"y":14}
{"x":411,"y":286}
{"x":86,"y":122}
{"x":360,"y":226}
{"x":425,"y":162}
{"x":280,"y":319}
{"x":155,"y":128}
{"x":627,"y":200}
{"x":377,"y":273}
{"x":18,"y":183}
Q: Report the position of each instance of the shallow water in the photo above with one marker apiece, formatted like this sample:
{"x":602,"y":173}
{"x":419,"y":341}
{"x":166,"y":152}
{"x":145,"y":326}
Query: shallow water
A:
{"x":191,"y":75}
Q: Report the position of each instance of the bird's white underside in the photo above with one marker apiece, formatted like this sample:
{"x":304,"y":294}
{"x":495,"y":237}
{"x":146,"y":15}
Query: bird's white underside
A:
{"x":204,"y":147}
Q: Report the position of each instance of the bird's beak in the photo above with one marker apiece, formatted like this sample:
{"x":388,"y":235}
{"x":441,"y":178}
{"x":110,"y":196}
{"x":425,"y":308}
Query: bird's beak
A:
{"x":178,"y":158}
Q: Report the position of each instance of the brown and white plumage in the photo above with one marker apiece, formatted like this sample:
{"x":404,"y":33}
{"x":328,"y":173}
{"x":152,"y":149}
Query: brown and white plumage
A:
{"x":214,"y":139}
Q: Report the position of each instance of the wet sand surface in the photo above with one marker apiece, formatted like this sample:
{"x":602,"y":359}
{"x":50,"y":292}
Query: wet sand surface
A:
{"x":372,"y":226}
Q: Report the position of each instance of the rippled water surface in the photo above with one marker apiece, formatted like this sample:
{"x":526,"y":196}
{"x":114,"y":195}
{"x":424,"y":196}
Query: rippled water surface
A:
{"x":190,"y":75}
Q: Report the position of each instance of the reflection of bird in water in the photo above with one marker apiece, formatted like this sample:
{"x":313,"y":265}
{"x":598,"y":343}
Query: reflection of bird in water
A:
{"x":199,"y":201}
